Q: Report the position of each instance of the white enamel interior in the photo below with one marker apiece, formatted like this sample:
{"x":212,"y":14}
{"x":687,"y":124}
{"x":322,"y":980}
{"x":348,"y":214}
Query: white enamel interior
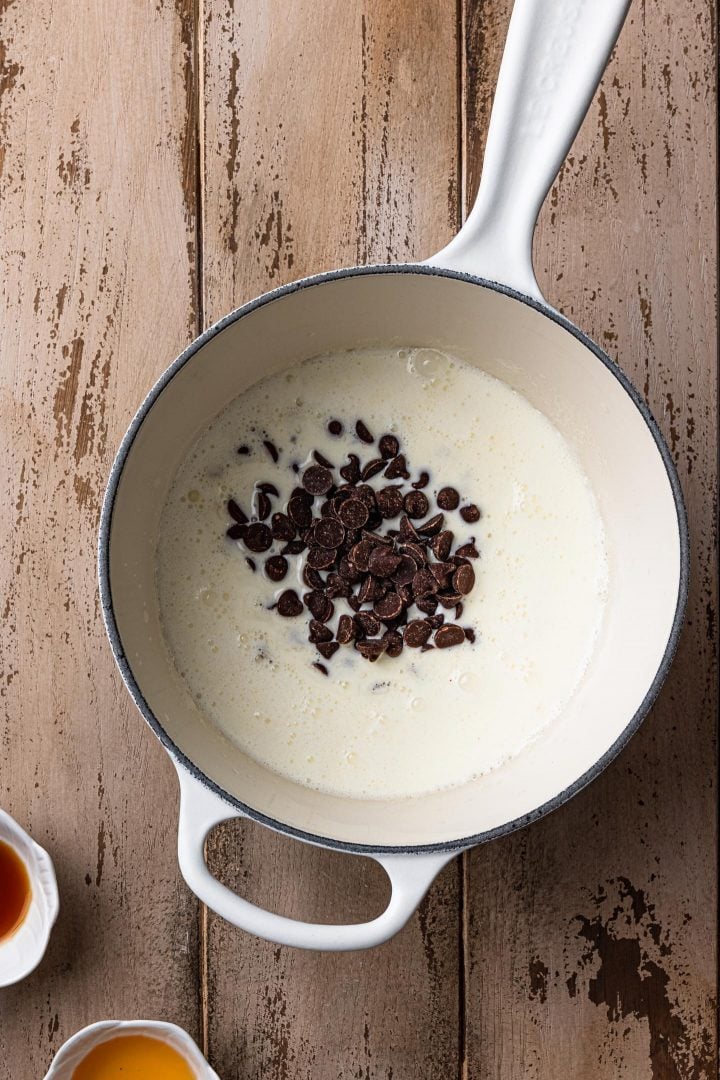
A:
{"x":558,"y":375}
{"x":72,"y":1052}
{"x":22,"y":951}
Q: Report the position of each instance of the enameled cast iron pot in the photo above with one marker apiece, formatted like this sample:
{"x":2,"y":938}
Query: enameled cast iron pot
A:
{"x":478,"y":299}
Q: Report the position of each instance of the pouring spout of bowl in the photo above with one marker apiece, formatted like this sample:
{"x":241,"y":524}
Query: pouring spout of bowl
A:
{"x":555,"y":54}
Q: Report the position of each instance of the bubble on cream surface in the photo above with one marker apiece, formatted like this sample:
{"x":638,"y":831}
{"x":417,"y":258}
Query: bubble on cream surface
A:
{"x":421,"y":722}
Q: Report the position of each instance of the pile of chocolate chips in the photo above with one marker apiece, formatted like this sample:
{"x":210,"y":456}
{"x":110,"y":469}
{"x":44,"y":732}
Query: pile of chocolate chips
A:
{"x":393,"y":580}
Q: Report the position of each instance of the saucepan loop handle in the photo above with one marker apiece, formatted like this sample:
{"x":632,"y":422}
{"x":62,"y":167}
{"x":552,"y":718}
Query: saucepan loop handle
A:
{"x":554,"y":57}
{"x":200,"y":810}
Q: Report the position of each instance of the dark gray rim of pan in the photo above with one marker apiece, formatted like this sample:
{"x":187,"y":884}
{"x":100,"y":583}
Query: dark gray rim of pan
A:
{"x":129,"y":678}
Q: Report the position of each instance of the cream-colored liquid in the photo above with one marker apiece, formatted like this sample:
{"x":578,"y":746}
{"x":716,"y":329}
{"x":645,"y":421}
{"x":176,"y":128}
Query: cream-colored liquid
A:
{"x":404,"y":726}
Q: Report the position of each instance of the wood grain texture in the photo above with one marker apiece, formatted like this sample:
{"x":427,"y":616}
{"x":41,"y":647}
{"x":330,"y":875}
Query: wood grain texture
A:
{"x":97,"y":276}
{"x":330,"y":138}
{"x":591,"y":936}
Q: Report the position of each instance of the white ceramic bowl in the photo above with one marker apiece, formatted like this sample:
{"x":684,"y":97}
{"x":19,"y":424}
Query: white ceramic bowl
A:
{"x":72,"y":1052}
{"x":24,"y":949}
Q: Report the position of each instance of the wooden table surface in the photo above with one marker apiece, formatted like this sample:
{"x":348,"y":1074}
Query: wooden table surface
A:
{"x":160,"y":163}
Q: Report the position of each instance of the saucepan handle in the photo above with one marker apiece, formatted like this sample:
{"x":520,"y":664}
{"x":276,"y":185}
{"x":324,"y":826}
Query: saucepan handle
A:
{"x":200,"y":810}
{"x":554,"y":57}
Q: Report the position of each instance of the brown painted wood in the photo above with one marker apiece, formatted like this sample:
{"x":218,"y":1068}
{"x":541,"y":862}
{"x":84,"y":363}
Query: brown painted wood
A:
{"x":97,"y":277}
{"x":591,"y":936}
{"x":330,"y":138}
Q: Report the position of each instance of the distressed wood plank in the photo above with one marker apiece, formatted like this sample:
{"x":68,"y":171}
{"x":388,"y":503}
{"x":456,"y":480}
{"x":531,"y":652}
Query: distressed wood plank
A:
{"x":97,"y":231}
{"x":591,"y":936}
{"x":330,"y":138}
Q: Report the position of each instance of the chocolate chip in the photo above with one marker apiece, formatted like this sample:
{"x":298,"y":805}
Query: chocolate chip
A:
{"x":389,"y":606}
{"x":354,"y":603}
{"x":393,"y":643}
{"x":397,"y":467}
{"x":405,"y":571}
{"x":321,"y":668}
{"x":432,"y":526}
{"x":268,"y":489}
{"x":468,"y":551}
{"x":353,"y":513}
{"x":360,"y":554}
{"x":289,"y":604}
{"x":236,"y":513}
{"x":427,"y":647}
{"x":435,"y":621}
{"x":422,"y":481}
{"x":320,"y":558}
{"x":424,"y":583}
{"x":448,"y":498}
{"x":407,"y":529}
{"x":264,"y":506}
{"x":335,"y":427}
{"x":416,"y":504}
{"x":319,"y":606}
{"x":388,"y":446}
{"x":449,"y":600}
{"x":251,"y":563}
{"x":236,"y":531}
{"x":427,"y":604}
{"x":441,"y":571}
{"x":336,"y":586}
{"x":351,"y":471}
{"x":372,"y":468}
{"x":414,"y":552}
{"x":459,"y":608}
{"x":367,"y":494}
{"x":271,"y":449}
{"x":464,"y":579}
{"x":416,"y":633}
{"x":442,"y":544}
{"x":389,"y":501}
{"x":329,"y":533}
{"x":317,"y":480}
{"x":318,"y":632}
{"x":371,"y":650}
{"x":383,"y":561}
{"x":469,"y":634}
{"x":276,"y":567}
{"x":312,"y":578}
{"x":327,"y":648}
{"x":243,"y":449}
{"x":348,"y":571}
{"x":301,"y":493}
{"x":376,"y":538}
{"x":470,"y":513}
{"x":293,"y":547}
{"x":299,"y":512}
{"x":449,"y":635}
{"x":370,"y":590}
{"x":345,"y":629}
{"x":362,"y":432}
{"x":257,"y":537}
{"x":322,"y":460}
{"x":367,"y":623}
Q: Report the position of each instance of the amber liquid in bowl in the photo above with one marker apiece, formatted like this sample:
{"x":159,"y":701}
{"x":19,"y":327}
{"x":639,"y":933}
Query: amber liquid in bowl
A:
{"x":15,"y":890}
{"x":134,"y":1057}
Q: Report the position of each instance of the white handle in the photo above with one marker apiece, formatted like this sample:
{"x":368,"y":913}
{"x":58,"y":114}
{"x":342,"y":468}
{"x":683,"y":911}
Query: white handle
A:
{"x":200,"y":810}
{"x":555,"y":54}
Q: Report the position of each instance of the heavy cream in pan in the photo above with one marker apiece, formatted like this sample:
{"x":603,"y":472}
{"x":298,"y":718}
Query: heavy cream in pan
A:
{"x":428,"y":718}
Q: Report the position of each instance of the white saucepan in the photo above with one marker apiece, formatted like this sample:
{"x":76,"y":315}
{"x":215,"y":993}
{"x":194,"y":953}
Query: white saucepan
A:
{"x":477,"y":299}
